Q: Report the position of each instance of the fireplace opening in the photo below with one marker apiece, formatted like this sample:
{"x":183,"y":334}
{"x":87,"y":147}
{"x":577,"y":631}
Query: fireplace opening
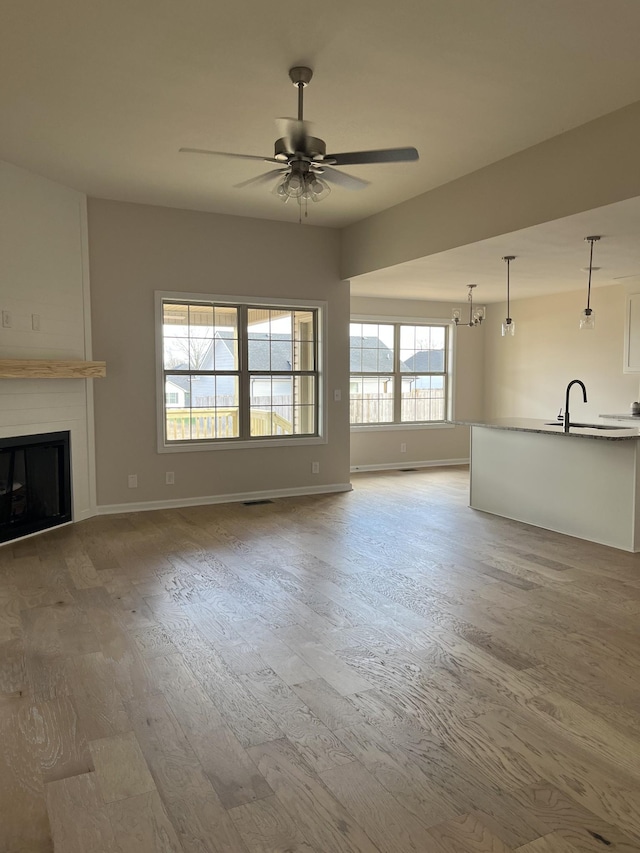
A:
{"x":35,"y":483}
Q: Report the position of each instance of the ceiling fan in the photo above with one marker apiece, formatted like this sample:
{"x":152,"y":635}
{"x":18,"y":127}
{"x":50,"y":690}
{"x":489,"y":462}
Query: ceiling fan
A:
{"x":306,"y":170}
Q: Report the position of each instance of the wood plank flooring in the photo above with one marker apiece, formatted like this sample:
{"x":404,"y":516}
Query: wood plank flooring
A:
{"x":385,"y":671}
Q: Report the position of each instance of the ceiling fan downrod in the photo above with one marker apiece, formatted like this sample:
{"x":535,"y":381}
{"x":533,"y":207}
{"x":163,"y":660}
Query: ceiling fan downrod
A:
{"x":300,"y":76}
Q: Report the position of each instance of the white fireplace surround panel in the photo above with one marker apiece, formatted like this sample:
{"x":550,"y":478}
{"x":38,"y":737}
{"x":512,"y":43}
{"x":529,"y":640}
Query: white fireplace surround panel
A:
{"x":52,"y":283}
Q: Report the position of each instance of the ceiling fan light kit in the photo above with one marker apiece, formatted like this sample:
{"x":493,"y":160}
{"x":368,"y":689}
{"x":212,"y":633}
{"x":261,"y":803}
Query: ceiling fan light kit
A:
{"x":307,"y":170}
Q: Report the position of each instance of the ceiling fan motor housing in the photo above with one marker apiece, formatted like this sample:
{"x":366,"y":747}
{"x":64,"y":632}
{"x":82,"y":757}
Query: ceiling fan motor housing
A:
{"x":314,"y":148}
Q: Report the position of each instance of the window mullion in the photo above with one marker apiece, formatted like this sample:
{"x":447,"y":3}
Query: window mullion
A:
{"x":319,"y":368}
{"x":244,"y":378}
{"x":397,"y":377}
{"x":448,"y":379}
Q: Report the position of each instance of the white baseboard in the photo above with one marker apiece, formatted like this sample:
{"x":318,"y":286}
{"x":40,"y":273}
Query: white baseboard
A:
{"x":301,"y":491}
{"x":399,"y":466}
{"x":85,"y":513}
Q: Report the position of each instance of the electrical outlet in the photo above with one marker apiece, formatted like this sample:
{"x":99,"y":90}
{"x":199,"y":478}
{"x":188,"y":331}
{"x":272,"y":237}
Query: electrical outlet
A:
{"x":7,"y":319}
{"x":132,"y":481}
{"x":169,"y":478}
{"x":35,"y":322}
{"x":315,"y":467}
{"x":403,"y":447}
{"x":337,"y":396}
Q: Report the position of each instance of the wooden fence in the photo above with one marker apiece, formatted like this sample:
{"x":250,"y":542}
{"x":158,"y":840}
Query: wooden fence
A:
{"x":419,"y":406}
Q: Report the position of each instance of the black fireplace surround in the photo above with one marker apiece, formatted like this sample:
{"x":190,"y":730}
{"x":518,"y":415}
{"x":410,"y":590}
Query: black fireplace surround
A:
{"x":35,"y":483}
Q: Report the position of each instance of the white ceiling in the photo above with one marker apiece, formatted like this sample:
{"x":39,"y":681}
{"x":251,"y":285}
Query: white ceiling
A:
{"x":101,"y":95}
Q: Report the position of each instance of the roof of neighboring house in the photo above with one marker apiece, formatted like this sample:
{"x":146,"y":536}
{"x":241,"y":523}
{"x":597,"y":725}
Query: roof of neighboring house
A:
{"x":369,"y":355}
{"x":280,"y":350}
{"x":426,"y":361}
{"x":182,"y":382}
{"x":266,"y":352}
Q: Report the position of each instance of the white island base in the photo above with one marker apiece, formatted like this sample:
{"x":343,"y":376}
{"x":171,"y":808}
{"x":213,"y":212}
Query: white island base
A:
{"x":579,"y":486}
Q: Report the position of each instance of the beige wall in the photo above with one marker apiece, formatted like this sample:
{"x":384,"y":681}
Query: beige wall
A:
{"x":526,"y":376}
{"x":43,"y":271}
{"x":381,"y":448}
{"x":136,"y":250}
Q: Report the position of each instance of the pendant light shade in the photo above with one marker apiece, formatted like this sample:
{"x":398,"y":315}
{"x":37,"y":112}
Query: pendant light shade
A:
{"x":587,"y":319}
{"x":508,"y":326}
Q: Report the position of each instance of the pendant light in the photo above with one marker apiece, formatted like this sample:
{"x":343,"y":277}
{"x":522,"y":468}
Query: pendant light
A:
{"x":475,"y":317}
{"x":508,"y":326}
{"x":587,"y":320}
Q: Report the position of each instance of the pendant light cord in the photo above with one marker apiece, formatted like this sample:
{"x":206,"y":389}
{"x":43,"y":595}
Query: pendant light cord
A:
{"x":591,"y":242}
{"x":508,"y":259}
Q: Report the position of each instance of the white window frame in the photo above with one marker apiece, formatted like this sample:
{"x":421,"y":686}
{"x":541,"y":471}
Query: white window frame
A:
{"x":241,"y":444}
{"x":386,"y":319}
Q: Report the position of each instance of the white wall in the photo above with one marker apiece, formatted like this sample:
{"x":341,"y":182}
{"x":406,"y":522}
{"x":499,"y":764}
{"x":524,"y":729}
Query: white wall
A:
{"x":380,"y":448}
{"x":136,"y":250}
{"x":526,"y":376}
{"x":43,"y":270}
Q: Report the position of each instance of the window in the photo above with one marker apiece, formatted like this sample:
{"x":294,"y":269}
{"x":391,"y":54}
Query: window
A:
{"x":399,"y":373}
{"x":237,"y":372}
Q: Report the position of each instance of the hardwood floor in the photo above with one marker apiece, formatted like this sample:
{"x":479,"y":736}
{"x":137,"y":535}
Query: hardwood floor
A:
{"x":385,"y":670}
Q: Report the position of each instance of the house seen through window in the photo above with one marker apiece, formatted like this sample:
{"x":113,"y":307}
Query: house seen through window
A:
{"x":238,"y":371}
{"x":399,"y":373}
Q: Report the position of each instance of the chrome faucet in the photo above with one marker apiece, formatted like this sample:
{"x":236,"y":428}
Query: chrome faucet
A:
{"x":567,"y":422}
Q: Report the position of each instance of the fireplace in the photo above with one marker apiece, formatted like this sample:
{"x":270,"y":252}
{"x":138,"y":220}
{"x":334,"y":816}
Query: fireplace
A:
{"x":35,"y":483}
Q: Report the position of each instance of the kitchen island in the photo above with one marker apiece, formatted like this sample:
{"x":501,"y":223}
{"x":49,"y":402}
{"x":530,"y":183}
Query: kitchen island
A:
{"x":585,"y":482}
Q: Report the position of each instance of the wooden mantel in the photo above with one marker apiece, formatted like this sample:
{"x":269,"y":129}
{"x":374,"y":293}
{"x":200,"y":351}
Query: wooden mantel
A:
{"x":33,"y":368}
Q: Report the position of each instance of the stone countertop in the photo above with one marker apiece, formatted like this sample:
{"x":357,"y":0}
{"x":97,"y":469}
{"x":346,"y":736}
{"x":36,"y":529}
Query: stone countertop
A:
{"x":625,"y":417}
{"x":603,"y":431}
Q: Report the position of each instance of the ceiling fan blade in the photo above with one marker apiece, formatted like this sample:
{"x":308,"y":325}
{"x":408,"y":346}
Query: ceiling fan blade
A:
{"x":294,"y":131}
{"x":342,"y":179}
{"x":228,"y":154}
{"x":260,"y":179}
{"x":383,"y":155}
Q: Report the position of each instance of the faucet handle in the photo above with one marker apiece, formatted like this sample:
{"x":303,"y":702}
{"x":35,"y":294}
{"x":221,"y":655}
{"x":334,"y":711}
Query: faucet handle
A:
{"x":559,"y":418}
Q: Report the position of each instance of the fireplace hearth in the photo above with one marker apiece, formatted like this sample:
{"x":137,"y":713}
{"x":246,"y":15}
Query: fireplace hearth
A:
{"x":35,"y":483}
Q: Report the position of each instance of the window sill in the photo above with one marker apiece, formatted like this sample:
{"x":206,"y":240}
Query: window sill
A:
{"x":255,"y":444}
{"x":394,"y":427}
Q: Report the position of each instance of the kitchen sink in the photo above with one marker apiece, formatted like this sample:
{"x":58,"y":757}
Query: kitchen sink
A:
{"x":585,"y":426}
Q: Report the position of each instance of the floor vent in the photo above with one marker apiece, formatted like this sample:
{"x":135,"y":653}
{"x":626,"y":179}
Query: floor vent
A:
{"x":255,"y":503}
{"x":407,"y":470}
